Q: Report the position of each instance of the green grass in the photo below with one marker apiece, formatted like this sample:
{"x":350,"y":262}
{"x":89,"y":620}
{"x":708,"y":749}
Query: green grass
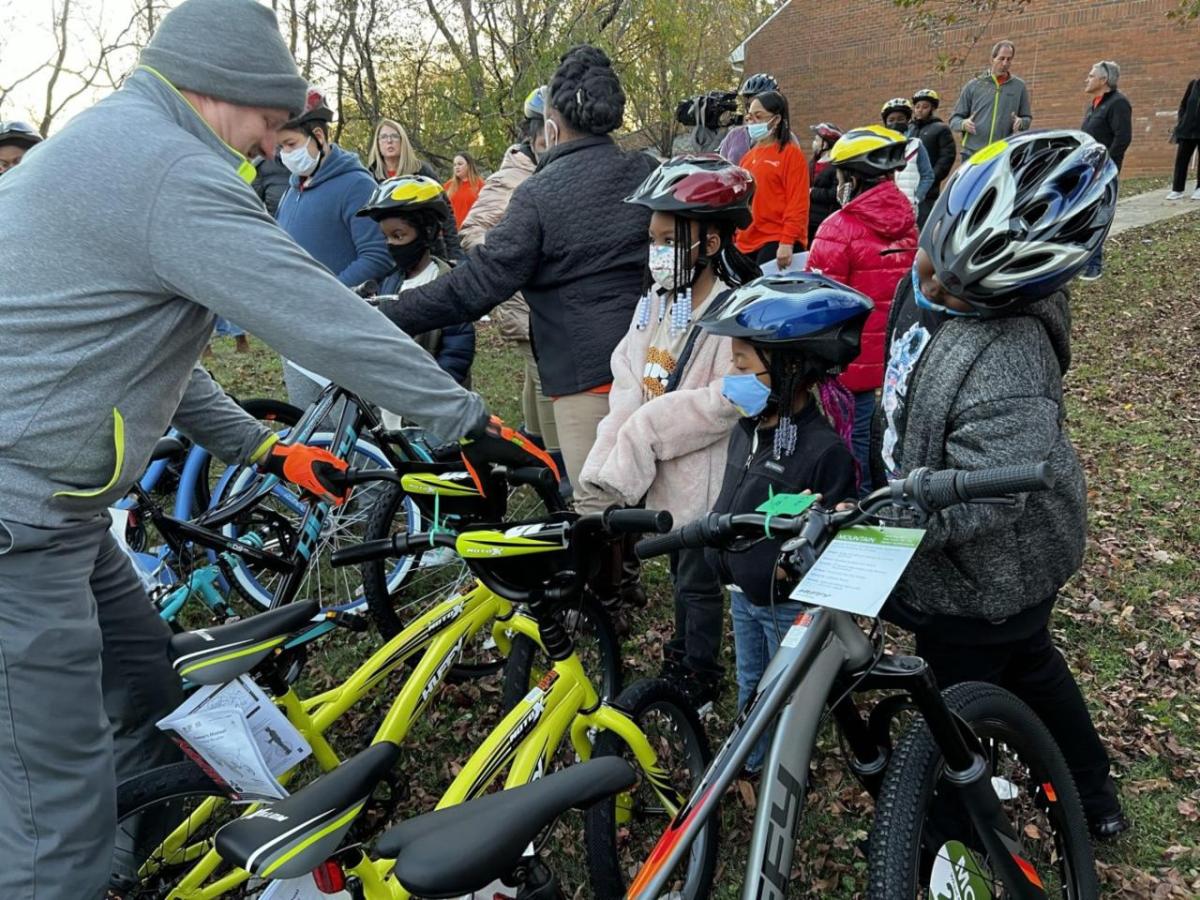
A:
{"x":1129,"y":623}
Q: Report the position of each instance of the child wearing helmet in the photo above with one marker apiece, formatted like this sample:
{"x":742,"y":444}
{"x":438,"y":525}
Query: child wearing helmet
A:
{"x":16,"y":138}
{"x":411,"y":212}
{"x":790,"y":337}
{"x":916,"y":178}
{"x":868,"y":245}
{"x":664,"y":436}
{"x":939,"y":144}
{"x":978,"y":343}
{"x":822,"y":177}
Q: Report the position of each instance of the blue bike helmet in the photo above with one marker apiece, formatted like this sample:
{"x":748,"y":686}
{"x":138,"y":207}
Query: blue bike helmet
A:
{"x":802,"y":314}
{"x":1021,"y":218}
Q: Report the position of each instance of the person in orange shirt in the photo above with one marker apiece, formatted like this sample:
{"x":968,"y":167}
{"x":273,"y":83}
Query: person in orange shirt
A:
{"x":780,"y":206}
{"x":463,"y":188}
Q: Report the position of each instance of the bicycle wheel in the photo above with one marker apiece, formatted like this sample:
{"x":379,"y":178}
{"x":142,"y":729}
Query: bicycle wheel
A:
{"x":596,"y":643}
{"x":276,"y":519}
{"x":922,"y":839}
{"x":621,"y":831}
{"x":277,"y":415}
{"x":430,"y":575}
{"x":176,"y":799}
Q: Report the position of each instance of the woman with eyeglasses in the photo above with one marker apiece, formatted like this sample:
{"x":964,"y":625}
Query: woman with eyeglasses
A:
{"x":15,"y":140}
{"x":392,"y":153}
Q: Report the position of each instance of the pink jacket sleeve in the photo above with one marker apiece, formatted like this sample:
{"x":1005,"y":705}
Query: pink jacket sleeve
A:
{"x":624,"y":398}
{"x":666,"y":428}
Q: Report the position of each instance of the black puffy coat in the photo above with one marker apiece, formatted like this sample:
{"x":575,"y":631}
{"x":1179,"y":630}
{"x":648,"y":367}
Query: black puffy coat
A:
{"x":822,"y":197}
{"x":572,"y":247}
{"x":939,"y":144}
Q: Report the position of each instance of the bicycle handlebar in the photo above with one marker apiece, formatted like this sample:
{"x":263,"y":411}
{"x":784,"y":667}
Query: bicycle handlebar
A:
{"x":924,"y":490}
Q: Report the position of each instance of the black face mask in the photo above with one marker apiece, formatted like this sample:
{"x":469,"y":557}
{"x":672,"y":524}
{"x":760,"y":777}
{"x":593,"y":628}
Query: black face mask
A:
{"x":408,"y":255}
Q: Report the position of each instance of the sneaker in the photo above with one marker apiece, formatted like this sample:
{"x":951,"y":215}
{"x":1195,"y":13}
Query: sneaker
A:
{"x":1196,"y":194}
{"x":1090,"y":275}
{"x":701,"y":688}
{"x":1110,"y":827}
{"x":1175,"y":195}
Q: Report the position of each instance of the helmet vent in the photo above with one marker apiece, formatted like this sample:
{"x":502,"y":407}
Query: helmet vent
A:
{"x":1028,"y":263}
{"x":983,"y":208}
{"x":990,"y":249}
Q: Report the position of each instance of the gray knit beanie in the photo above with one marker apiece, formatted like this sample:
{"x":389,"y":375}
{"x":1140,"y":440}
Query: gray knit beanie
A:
{"x":227,"y":49}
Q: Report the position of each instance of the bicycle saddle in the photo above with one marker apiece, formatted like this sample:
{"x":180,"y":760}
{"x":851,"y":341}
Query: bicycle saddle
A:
{"x":166,"y":447}
{"x":222,"y":653}
{"x":292,"y":837}
{"x":460,"y":849}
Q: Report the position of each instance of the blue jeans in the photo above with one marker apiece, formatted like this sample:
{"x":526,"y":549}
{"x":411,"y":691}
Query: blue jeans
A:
{"x":227,"y":328}
{"x":864,"y":411}
{"x":1095,"y":265}
{"x":757,"y":631}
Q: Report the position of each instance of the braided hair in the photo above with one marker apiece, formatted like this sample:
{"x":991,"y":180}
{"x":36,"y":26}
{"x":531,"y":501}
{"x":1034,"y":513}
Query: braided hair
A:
{"x":586,"y":91}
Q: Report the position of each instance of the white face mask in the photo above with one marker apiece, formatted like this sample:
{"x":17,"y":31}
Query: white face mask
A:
{"x":551,"y":142}
{"x":299,"y":161}
{"x":662,"y":265}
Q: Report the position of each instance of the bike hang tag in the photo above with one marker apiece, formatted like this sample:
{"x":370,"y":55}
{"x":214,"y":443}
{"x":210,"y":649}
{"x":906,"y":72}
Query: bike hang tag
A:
{"x":786,"y":504}
{"x":859,"y":569}
{"x":241,"y":734}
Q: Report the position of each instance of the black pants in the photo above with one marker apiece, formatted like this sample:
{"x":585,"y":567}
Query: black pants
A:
{"x":1034,"y":670}
{"x":1183,"y":156}
{"x":766,"y":253}
{"x":925,"y":207}
{"x":699,"y":619}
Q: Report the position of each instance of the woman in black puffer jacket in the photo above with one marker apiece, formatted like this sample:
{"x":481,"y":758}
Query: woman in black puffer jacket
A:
{"x":822,"y":178}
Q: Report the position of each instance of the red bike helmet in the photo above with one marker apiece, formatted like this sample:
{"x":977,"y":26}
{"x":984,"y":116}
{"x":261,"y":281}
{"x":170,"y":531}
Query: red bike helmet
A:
{"x":702,"y":186}
{"x":826,"y":131}
{"x":316,"y":111}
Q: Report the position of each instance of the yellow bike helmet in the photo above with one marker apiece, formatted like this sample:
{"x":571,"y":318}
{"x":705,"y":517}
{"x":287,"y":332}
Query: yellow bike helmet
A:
{"x":901,"y":104}
{"x":927,"y":94}
{"x":406,"y":194}
{"x":871,"y":150}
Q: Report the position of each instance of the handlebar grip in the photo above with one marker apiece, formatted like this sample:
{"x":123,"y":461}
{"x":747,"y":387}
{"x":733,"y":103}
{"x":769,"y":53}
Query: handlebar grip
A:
{"x":702,"y":532}
{"x":535,"y":476}
{"x":638,"y":521}
{"x":353,"y":476}
{"x":938,"y":490}
{"x":360,"y":553}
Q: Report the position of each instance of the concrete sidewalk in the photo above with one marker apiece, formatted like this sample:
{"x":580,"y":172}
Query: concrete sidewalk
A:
{"x":1148,"y":208}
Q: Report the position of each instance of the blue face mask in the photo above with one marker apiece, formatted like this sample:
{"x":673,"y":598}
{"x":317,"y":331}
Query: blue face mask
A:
{"x":758,"y":130}
{"x":925,"y":303}
{"x":746,"y":393}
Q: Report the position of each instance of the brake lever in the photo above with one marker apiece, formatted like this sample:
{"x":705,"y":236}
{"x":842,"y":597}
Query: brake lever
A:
{"x":347,"y":620}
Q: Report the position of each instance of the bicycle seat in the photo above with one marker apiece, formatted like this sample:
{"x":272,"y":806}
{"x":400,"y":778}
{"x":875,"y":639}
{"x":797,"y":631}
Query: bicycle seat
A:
{"x":460,"y":849}
{"x":292,"y":837}
{"x":222,"y":653}
{"x":166,"y":447}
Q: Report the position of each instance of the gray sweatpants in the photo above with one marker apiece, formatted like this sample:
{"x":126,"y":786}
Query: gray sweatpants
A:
{"x":84,"y":675}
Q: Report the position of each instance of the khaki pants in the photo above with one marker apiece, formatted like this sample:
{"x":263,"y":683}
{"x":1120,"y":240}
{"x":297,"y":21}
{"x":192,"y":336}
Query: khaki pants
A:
{"x":577,"y":417}
{"x":536,"y":407}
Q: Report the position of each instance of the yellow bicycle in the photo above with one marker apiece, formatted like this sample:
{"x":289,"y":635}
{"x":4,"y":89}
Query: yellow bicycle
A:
{"x":162,"y":852}
{"x":652,"y":724}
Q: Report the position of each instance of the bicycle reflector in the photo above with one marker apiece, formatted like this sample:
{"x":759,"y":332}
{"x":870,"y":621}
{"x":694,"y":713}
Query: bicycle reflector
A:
{"x":329,"y":877}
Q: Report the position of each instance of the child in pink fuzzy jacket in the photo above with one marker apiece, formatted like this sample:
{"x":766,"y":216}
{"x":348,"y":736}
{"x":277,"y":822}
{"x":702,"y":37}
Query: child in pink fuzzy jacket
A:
{"x":663,"y":441}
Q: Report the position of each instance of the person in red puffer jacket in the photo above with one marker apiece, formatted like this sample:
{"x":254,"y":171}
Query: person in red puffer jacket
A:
{"x":868,"y":245}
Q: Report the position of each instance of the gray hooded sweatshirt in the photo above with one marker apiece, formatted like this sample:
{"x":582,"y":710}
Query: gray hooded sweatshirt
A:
{"x":120,"y":239}
{"x":988,"y":392}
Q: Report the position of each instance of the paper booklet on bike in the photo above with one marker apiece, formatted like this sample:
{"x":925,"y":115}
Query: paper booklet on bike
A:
{"x":859,"y":569}
{"x":241,"y":735}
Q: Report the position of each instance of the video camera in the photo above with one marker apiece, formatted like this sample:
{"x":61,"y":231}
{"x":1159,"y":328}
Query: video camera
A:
{"x":716,"y":109}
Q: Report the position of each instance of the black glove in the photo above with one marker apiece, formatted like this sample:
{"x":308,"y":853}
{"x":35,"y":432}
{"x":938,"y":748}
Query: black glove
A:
{"x":496,"y":444}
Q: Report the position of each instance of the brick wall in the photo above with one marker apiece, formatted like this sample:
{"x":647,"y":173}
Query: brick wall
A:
{"x":839,"y":60}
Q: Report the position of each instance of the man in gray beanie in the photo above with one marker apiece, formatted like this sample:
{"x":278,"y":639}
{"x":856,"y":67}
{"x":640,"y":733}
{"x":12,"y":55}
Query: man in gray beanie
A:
{"x":122,"y":238}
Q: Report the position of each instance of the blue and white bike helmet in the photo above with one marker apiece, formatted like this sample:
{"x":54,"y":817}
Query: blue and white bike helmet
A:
{"x":801,"y":313}
{"x":1021,"y":218}
{"x":535,"y":103}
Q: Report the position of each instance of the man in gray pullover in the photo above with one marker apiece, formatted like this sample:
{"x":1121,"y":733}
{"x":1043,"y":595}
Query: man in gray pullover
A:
{"x":992,"y":106}
{"x":121,"y":239}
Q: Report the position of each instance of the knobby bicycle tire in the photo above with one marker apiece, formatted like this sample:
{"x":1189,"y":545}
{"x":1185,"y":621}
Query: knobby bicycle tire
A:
{"x":588,"y":623}
{"x":149,"y":805}
{"x":899,"y":862}
{"x":612,"y":847}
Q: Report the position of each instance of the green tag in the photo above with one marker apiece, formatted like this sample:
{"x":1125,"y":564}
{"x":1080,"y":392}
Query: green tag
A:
{"x":786,"y":504}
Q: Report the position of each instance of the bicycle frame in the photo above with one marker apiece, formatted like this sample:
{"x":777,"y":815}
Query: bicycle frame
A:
{"x":563,"y":703}
{"x":821,"y":646}
{"x":439,"y":634}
